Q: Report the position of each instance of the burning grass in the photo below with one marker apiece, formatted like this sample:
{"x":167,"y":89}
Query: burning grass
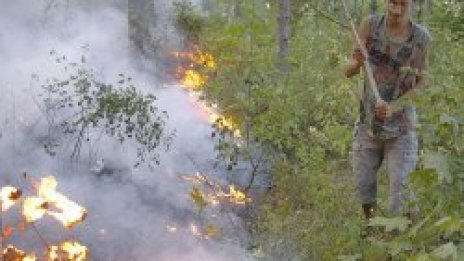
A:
{"x":210,"y":192}
{"x":47,"y":202}
{"x":193,"y":72}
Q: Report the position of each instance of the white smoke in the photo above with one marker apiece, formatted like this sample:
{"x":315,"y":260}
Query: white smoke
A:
{"x":128,"y":216}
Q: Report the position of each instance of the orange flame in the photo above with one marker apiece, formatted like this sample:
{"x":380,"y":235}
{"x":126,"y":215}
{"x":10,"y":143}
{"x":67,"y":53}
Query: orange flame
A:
{"x":237,"y":196}
{"x":213,"y":193}
{"x":15,"y":254}
{"x":71,"y":213}
{"x":34,"y":208}
{"x":8,"y":197}
{"x":189,"y":73}
{"x":69,"y":251}
{"x":193,"y":79}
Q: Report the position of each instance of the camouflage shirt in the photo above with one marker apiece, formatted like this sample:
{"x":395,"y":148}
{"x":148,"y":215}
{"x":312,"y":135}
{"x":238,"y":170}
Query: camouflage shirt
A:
{"x":392,"y":64}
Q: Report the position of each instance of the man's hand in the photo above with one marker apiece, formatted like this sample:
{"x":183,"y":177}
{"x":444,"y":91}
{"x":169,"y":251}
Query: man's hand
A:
{"x":356,"y":58}
{"x":354,"y":63}
{"x":382,"y":111}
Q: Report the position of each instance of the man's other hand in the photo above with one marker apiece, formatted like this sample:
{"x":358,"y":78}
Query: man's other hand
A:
{"x":382,"y":111}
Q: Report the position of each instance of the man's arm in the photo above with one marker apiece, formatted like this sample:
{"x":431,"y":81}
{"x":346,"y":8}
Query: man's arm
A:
{"x":356,"y":58}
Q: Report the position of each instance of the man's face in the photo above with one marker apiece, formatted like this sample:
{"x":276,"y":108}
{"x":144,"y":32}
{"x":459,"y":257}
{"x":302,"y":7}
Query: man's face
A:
{"x":398,"y":10}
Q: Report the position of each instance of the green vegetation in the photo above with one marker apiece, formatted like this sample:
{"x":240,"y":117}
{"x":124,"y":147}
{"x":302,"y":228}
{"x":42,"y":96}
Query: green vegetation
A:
{"x":84,"y":107}
{"x":303,"y":119}
{"x":188,"y":20}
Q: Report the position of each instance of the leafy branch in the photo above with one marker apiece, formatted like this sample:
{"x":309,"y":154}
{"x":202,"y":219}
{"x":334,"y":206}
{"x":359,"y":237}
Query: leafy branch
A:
{"x":84,"y":103}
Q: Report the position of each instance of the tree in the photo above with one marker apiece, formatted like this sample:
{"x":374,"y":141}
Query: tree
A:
{"x":80,"y":104}
{"x":141,"y":15}
{"x":373,"y":7}
{"x":283,"y":33}
{"x":424,"y":10}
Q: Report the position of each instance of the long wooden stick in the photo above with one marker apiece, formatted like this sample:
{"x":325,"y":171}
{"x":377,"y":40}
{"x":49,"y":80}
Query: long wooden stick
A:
{"x":362,"y":47}
{"x":1,"y":232}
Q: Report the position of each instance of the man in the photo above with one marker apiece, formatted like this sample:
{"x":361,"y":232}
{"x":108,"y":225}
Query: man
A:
{"x":397,"y":50}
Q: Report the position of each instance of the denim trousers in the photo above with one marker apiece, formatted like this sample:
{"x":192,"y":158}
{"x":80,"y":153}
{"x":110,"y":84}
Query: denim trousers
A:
{"x":401,"y":156}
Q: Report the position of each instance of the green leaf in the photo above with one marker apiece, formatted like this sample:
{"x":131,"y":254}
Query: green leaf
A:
{"x":397,"y":247}
{"x":438,"y":162}
{"x":449,"y":224}
{"x":446,"y":252}
{"x":349,"y":258}
{"x":446,"y":118}
{"x":461,"y":249}
{"x":424,"y":179}
{"x":422,"y":257}
{"x":390,"y":224}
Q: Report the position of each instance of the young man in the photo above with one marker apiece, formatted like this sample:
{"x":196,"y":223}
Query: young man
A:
{"x":397,"y":50}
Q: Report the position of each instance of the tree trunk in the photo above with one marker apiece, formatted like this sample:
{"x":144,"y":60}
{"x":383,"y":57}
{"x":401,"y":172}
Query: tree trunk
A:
{"x":207,"y":5}
{"x":238,"y":9}
{"x":283,"y":33}
{"x":340,"y":28}
{"x":424,"y":10}
{"x":141,"y":15}
{"x":331,"y":6}
{"x":373,"y":7}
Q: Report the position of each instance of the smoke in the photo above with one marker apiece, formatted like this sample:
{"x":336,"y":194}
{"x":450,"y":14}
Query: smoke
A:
{"x":130,"y":209}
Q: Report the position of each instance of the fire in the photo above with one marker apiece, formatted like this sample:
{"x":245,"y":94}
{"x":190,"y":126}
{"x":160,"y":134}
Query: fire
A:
{"x":196,"y":58}
{"x":237,"y":196}
{"x":8,"y":197}
{"x":189,"y":71}
{"x":220,"y":121}
{"x":34,"y":208}
{"x":192,"y":76}
{"x":193,"y":79}
{"x":75,"y":250}
{"x":224,"y":123}
{"x":71,"y":213}
{"x":213,"y":192}
{"x":69,"y":251}
{"x":29,"y":258}
{"x":11,"y":253}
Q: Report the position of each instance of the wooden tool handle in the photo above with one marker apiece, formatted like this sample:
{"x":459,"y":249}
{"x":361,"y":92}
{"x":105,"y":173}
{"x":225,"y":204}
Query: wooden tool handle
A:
{"x":362,"y":47}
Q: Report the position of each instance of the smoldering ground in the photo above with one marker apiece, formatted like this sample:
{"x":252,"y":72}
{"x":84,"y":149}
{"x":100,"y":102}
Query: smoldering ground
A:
{"x":129,"y":209}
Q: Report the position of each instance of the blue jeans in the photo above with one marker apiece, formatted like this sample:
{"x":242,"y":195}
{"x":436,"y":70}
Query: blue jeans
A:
{"x":401,"y":158}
